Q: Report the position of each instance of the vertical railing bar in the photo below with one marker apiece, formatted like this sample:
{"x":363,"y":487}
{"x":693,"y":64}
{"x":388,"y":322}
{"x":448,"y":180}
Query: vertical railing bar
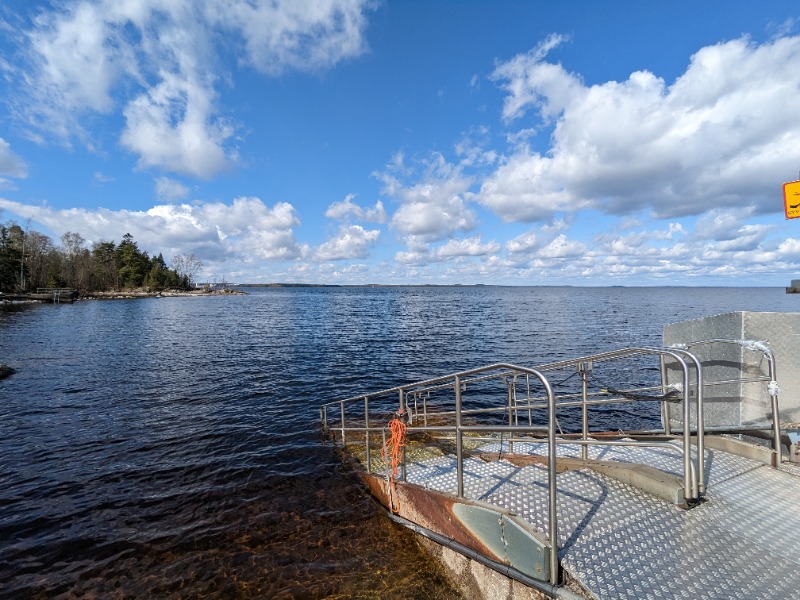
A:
{"x":341,"y":408}
{"x":403,"y":463}
{"x":528,"y":386}
{"x":701,"y":427}
{"x":459,"y":441}
{"x":366,"y":433}
{"x":776,"y":416}
{"x":551,"y":479}
{"x":384,"y":450}
{"x":510,"y":415}
{"x":689,"y":487}
{"x":664,"y":405}
{"x":582,"y":368}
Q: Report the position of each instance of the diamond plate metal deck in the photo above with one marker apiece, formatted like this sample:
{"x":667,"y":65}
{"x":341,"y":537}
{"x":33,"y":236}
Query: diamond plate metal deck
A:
{"x":620,"y":542}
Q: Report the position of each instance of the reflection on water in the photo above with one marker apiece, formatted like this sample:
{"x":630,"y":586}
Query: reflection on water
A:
{"x":169,"y":447}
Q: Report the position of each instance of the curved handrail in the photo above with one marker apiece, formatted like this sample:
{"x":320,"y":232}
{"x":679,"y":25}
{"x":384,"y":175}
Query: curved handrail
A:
{"x":773,"y":389}
{"x":458,"y":382}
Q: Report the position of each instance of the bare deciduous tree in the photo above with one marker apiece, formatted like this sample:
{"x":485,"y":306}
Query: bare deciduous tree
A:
{"x":187,"y":265}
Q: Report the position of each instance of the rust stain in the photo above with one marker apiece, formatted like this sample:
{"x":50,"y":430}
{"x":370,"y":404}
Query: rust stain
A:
{"x":429,"y":509}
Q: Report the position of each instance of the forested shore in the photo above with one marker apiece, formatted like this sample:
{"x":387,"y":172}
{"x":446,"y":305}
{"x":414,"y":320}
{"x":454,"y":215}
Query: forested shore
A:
{"x":30,"y":260}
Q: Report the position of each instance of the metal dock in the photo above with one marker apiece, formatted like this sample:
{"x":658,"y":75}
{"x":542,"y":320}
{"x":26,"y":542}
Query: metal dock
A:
{"x":523,"y":487}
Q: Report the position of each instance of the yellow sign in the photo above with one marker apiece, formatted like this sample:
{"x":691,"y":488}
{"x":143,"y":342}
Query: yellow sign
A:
{"x":791,"y":199}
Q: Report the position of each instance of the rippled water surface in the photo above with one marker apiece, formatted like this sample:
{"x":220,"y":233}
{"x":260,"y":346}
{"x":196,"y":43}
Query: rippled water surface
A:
{"x":169,"y":447}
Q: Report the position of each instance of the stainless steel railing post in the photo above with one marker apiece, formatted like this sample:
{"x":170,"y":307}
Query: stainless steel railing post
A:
{"x":459,"y":441}
{"x":511,"y":413}
{"x":551,"y":479}
{"x":366,"y":433}
{"x":583,"y":369}
{"x":528,"y":398}
{"x":341,"y":408}
{"x":701,"y":427}
{"x":664,"y":405}
{"x":776,"y":415}
{"x":689,"y":486}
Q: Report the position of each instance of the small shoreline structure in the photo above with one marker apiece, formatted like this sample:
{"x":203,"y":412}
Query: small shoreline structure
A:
{"x":48,"y":295}
{"x":477,"y":464}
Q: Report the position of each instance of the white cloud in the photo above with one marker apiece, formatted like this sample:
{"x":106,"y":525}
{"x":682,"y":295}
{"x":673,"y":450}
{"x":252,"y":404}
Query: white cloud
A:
{"x":523,"y":243}
{"x":721,"y":136}
{"x":190,"y":144}
{"x":433,"y":209}
{"x":532,"y":240}
{"x":154,"y":60}
{"x":286,"y":34}
{"x":349,"y":209}
{"x":11,"y":165}
{"x":352,"y":241}
{"x":454,"y":249}
{"x":467,"y":247}
{"x":530,"y":81}
{"x":790,"y":247}
{"x":102,"y":178}
{"x":561,"y":247}
{"x":170,"y":190}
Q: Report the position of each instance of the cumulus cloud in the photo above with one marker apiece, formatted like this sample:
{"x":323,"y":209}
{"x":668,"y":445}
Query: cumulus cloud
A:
{"x":790,"y":247}
{"x":535,"y":239}
{"x":11,"y":165}
{"x":467,"y":247}
{"x":434,"y":208}
{"x":243,"y":230}
{"x":723,"y":135}
{"x":153,"y":60}
{"x":170,"y":190}
{"x":349,"y":209}
{"x":455,"y":249}
{"x":352,"y":241}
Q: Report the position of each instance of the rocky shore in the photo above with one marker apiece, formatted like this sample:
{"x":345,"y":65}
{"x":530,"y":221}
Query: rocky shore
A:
{"x":144,"y":293}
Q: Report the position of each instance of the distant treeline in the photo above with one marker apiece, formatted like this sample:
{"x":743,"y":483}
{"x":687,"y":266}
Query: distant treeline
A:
{"x":30,"y":260}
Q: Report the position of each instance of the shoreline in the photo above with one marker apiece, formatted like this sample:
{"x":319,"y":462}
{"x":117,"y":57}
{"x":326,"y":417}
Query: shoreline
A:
{"x":132,"y":294}
{"x":122,"y":295}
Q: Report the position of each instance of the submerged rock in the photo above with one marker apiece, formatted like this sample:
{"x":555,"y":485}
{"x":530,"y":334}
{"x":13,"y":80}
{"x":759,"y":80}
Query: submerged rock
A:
{"x":5,"y":371}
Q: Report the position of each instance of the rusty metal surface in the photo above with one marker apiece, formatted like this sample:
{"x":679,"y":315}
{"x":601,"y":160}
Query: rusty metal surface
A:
{"x":429,"y":509}
{"x":484,"y":528}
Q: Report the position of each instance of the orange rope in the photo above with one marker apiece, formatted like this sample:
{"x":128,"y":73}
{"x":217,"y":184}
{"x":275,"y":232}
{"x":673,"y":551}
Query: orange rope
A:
{"x":395,"y":450}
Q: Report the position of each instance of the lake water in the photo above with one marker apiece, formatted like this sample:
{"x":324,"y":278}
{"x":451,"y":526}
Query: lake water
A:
{"x":170,"y":447}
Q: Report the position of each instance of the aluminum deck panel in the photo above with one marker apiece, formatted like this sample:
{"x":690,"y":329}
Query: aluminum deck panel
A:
{"x":620,"y":542}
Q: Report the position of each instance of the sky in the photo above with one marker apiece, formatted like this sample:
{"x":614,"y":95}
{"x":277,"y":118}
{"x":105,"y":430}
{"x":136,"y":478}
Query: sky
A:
{"x":411,"y":142}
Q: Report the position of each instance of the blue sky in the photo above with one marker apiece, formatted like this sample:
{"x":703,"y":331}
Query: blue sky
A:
{"x":352,"y":141}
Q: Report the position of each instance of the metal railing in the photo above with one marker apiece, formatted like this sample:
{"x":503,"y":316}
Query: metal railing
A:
{"x":436,"y":407}
{"x":769,"y":378}
{"x":458,"y":382}
{"x":357,"y":417}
